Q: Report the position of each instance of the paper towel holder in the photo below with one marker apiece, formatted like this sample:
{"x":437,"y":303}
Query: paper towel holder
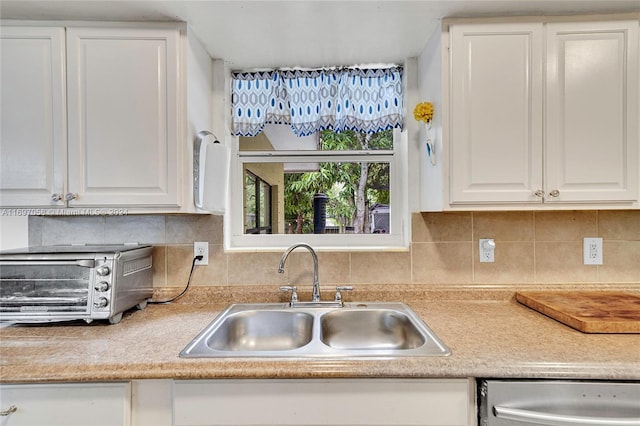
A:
{"x":204,"y":140}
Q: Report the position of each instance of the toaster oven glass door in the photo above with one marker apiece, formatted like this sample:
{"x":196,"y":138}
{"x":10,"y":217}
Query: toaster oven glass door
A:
{"x":44,"y":288}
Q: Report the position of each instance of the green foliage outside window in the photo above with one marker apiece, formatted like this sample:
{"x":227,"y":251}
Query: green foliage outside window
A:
{"x":352,"y":188}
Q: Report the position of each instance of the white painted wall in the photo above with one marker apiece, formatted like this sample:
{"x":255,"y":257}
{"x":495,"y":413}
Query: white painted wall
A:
{"x":199,"y":111}
{"x":430,"y":90}
{"x":412,"y":135}
{"x":14,"y":232}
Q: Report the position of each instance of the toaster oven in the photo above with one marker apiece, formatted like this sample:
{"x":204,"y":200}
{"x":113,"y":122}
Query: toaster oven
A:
{"x":71,"y":282}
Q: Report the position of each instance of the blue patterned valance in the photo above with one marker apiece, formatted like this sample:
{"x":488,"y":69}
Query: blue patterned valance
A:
{"x":364,"y":100}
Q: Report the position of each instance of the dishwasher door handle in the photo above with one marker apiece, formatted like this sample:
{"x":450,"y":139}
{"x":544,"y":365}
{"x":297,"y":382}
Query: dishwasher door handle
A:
{"x":542,"y":418}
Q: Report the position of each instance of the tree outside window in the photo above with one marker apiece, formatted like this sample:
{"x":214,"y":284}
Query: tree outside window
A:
{"x":353,"y":189}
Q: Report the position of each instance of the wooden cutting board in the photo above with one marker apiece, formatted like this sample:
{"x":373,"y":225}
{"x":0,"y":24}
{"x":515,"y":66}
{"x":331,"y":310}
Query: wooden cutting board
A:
{"x":588,"y":311}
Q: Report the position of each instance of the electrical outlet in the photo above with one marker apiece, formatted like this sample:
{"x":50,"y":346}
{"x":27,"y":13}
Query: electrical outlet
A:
{"x":592,"y":251}
{"x":201,"y":248}
{"x":487,"y":248}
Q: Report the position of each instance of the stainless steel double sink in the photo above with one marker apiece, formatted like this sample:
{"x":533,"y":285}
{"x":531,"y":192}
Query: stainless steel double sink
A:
{"x":375,"y":329}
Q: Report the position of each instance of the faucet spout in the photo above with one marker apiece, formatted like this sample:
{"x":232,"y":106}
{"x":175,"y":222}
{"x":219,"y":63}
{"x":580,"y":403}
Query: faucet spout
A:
{"x":315,"y":296}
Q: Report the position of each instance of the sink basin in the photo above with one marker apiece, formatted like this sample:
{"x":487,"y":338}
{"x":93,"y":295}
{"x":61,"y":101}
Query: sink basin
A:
{"x":262,"y":330}
{"x":356,"y":330}
{"x":369,"y":329}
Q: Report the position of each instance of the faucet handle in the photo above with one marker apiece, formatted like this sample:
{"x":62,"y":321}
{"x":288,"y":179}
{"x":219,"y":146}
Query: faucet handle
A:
{"x":293,"y":290}
{"x":338,"y":296}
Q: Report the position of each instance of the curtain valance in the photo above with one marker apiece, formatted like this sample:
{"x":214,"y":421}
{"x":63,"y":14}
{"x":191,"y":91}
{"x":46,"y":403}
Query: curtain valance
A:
{"x":364,"y":100}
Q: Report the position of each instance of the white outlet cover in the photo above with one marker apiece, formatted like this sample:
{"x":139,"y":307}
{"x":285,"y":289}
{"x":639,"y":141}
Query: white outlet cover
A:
{"x":592,"y":251}
{"x":486,"y":249}
{"x":201,"y":248}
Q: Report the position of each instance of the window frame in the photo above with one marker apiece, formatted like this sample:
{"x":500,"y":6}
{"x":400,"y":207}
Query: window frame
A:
{"x":398,"y":239}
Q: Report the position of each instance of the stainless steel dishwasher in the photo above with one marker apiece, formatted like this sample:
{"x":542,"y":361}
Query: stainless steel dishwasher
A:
{"x":558,"y":403}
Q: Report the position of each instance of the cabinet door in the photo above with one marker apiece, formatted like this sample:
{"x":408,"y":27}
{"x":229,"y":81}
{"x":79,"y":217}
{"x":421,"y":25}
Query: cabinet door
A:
{"x":496,"y":113}
{"x":123,"y":107}
{"x":323,"y":402}
{"x":33,"y":119}
{"x":99,"y":404}
{"x":592,"y":112}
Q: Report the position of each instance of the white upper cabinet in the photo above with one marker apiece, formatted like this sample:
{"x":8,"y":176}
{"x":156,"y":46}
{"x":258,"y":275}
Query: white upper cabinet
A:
{"x":33,"y":135}
{"x":592,"y":112}
{"x":496,"y":113}
{"x":101,"y":116}
{"x":123,"y":105}
{"x":542,"y":113}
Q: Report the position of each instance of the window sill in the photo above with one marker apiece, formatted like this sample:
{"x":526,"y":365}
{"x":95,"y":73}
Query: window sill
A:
{"x":326,"y":243}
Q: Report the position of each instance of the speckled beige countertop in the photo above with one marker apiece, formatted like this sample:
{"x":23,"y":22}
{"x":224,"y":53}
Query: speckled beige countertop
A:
{"x":489,"y":333}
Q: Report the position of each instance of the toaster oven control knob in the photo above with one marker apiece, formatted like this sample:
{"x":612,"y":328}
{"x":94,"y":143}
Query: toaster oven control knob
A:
{"x":103,"y":270}
{"x":102,"y":286}
{"x":101,"y":302}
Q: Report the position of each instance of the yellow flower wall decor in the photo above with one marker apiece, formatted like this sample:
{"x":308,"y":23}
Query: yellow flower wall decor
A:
{"x":423,"y":112}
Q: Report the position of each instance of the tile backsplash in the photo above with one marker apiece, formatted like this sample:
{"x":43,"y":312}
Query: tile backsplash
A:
{"x":531,"y":247}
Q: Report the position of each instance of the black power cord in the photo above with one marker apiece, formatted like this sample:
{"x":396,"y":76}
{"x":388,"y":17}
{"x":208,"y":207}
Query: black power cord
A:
{"x":166,"y":302}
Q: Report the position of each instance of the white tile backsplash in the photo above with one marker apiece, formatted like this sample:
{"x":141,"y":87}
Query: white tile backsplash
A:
{"x":143,"y":229}
{"x":72,"y":230}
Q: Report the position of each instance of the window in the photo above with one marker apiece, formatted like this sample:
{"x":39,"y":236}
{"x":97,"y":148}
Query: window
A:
{"x":273,"y":190}
{"x":333,"y":190}
{"x":257,"y":204}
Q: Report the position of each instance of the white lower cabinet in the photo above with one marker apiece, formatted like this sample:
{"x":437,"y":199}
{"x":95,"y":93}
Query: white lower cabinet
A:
{"x":66,"y":404}
{"x":324,"y":402}
{"x":164,"y":402}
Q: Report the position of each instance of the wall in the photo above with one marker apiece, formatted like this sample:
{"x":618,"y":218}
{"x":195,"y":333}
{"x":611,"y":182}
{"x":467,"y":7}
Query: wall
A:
{"x":13,"y":232}
{"x":532,"y":247}
{"x":430,"y":82}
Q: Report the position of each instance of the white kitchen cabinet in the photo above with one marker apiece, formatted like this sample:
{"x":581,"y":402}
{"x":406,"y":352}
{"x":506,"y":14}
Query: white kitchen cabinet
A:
{"x":542,"y":113}
{"x":165,"y":402}
{"x":69,"y":404}
{"x":33,"y":120}
{"x":96,"y":117}
{"x":324,"y":402}
{"x":592,"y":112}
{"x":496,"y":112}
{"x":123,"y":102}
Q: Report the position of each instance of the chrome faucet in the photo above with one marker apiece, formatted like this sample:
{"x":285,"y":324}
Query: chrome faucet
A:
{"x":315,"y":295}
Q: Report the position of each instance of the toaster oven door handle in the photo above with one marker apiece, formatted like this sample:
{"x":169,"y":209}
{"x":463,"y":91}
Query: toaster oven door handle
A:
{"x":18,"y":300}
{"x":86,"y":263}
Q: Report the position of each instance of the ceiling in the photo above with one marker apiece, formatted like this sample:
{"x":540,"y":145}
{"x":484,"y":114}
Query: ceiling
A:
{"x":265,"y":34}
